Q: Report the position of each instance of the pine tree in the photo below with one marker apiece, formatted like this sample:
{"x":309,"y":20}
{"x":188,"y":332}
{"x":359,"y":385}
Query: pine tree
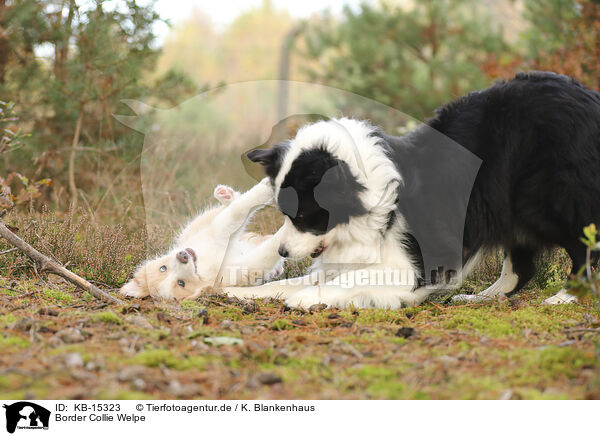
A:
{"x":411,"y":58}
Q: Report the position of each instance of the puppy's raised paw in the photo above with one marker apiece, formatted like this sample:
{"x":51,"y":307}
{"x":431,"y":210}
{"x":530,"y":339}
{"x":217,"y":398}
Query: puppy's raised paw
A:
{"x":224,"y":194}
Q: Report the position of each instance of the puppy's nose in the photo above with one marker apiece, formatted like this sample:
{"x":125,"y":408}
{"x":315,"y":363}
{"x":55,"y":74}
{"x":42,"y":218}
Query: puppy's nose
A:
{"x":282,"y":251}
{"x":183,"y":256}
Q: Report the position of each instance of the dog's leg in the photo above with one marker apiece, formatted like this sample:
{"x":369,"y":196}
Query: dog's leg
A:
{"x":278,"y":289}
{"x":577,"y":252}
{"x":360,"y":289}
{"x":505,"y":284}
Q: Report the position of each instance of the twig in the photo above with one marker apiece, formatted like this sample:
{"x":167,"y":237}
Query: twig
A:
{"x":49,"y":265}
{"x":582,"y":330}
{"x":71,"y":168}
{"x":26,"y":294}
{"x":8,"y":251}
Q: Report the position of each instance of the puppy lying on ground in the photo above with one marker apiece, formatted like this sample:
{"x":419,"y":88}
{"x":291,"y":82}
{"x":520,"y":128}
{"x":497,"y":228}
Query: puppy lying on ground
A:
{"x":212,"y":251}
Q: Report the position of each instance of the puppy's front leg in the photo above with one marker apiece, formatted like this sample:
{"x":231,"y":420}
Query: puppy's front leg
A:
{"x":278,"y":289}
{"x":233,"y":217}
{"x":361,"y":289}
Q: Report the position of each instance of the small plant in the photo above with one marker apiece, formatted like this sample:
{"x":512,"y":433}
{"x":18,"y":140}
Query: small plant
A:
{"x":11,"y":138}
{"x":587,"y":281}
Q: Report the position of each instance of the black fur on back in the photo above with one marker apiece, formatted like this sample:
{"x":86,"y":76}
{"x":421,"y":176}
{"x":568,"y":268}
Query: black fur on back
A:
{"x":538,"y":136}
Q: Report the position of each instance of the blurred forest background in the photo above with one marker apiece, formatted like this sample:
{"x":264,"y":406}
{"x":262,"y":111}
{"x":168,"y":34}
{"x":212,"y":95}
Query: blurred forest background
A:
{"x":66,"y":66}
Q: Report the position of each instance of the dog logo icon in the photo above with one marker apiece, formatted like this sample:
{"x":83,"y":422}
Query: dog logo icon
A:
{"x":26,"y":415}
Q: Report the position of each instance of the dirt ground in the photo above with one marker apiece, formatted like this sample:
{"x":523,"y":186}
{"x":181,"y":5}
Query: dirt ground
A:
{"x":58,"y":343}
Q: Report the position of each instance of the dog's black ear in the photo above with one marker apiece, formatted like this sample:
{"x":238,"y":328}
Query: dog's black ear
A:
{"x":263,"y":157}
{"x":269,"y":158}
{"x":338,"y":193}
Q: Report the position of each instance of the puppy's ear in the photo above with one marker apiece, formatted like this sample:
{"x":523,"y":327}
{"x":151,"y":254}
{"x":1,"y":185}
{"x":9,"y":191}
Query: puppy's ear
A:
{"x":269,"y":158}
{"x":133,"y":289}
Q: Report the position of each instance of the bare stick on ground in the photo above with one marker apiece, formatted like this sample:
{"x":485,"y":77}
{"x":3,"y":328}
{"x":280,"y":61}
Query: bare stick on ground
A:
{"x":49,"y":265}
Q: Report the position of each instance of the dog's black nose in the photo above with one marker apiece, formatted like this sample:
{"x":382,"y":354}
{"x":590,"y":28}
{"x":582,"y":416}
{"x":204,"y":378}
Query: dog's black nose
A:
{"x":183,"y":256}
{"x":282,"y":251}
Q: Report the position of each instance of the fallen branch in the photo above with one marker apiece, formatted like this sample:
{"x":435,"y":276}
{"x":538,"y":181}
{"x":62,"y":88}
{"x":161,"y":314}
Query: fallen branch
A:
{"x":49,"y":265}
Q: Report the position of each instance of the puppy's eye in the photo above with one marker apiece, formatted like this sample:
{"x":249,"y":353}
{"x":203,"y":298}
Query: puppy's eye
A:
{"x":163,"y":268}
{"x":181,"y":283}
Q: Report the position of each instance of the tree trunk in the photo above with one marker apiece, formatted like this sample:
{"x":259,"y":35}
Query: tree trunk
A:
{"x":61,"y":49}
{"x":72,"y":184}
{"x":4,"y":42}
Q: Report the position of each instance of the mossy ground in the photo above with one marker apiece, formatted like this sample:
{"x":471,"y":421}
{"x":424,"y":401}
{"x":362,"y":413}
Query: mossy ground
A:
{"x":513,"y":349}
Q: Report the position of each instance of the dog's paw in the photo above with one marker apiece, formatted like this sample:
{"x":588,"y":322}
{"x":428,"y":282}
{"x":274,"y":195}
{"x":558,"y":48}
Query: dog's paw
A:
{"x":477,"y":298}
{"x":239,"y":292}
{"x":561,"y":297}
{"x":224,"y":194}
{"x":466,"y":298}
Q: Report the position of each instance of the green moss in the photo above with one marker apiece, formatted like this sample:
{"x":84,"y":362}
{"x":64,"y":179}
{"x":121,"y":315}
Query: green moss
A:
{"x":385,"y":383}
{"x":263,"y":356}
{"x":556,"y":361}
{"x":12,"y":381}
{"x":195,"y":362}
{"x":8,"y":342}
{"x":203,"y":332}
{"x":107,"y":317}
{"x":484,"y":320}
{"x":474,"y":387}
{"x":535,"y":394}
{"x":6,"y":320}
{"x":191,"y":305}
{"x":398,"y":341}
{"x":371,"y":372}
{"x":56,"y":295}
{"x":157,"y":357}
{"x":157,"y":335}
{"x":282,"y":324}
{"x":542,"y":318}
{"x":370,"y":316}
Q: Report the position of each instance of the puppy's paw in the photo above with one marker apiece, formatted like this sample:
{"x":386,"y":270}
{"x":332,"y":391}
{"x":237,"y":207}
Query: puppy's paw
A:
{"x":133,"y":289}
{"x":224,"y":194}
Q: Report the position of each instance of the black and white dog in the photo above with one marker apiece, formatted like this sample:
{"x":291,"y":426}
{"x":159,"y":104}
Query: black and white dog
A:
{"x":516,"y":166}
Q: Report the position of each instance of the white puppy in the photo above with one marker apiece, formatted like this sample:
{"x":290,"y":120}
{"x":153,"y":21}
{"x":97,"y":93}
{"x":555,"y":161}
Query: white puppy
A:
{"x":213,"y":251}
